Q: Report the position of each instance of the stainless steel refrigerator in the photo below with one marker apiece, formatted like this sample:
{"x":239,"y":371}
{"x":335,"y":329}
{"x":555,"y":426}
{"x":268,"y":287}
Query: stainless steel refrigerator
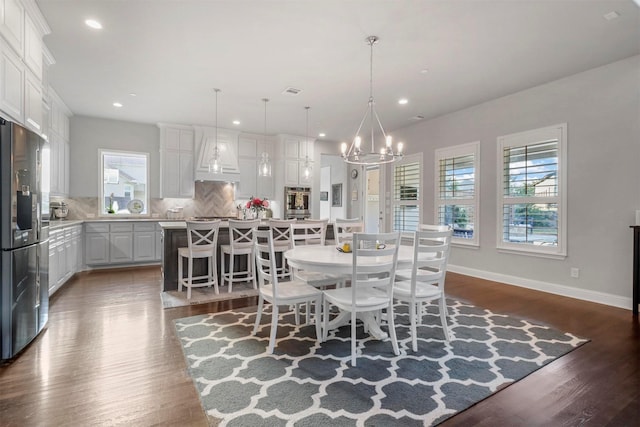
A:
{"x":24,"y":296}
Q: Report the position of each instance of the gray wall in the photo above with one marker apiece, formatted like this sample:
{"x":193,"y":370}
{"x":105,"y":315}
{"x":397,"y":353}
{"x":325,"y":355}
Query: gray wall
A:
{"x":89,"y":134}
{"x":602,"y":109}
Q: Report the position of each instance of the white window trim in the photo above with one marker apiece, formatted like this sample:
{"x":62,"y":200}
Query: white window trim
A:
{"x":459,"y":151}
{"x":520,"y":139}
{"x":101,"y":207}
{"x":412,"y":158}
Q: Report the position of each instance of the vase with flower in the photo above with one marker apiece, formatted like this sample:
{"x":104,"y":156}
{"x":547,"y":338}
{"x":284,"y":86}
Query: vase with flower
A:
{"x":258,"y":206}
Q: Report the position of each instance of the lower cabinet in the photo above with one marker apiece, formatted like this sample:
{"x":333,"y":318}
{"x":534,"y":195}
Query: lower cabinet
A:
{"x":64,"y":255}
{"x":120,"y":243}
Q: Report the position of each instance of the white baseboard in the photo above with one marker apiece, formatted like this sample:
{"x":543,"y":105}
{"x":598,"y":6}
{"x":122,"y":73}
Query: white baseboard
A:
{"x":552,"y":288}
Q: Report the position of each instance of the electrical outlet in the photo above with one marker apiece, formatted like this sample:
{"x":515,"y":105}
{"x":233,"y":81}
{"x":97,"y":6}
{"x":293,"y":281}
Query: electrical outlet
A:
{"x":575,"y":272}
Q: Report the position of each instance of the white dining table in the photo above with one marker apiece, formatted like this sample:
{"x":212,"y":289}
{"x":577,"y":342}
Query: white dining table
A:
{"x":329,"y":260}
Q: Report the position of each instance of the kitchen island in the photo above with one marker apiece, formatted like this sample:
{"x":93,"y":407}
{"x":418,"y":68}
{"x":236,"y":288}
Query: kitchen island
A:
{"x":174,"y":236}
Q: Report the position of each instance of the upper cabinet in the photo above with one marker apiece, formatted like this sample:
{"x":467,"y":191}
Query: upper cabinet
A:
{"x":295,"y":150}
{"x":176,"y":161}
{"x":22,"y":27}
{"x":12,"y":23}
{"x":250,"y":148}
{"x":57,"y":131}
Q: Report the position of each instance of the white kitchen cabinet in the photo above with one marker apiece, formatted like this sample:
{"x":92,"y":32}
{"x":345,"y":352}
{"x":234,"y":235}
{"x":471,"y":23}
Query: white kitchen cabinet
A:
{"x":176,"y":161}
{"x":58,"y":135}
{"x":116,"y":242}
{"x":64,"y":247}
{"x":12,"y":15}
{"x":33,"y":102}
{"x":295,"y":150}
{"x":11,"y":84}
{"x":96,"y":243}
{"x":144,"y":242}
{"x":32,"y":47}
{"x":250,"y":184}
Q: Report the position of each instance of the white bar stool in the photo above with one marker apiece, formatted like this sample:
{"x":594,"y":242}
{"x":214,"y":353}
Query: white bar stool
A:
{"x":203,"y":241}
{"x":241,"y":237}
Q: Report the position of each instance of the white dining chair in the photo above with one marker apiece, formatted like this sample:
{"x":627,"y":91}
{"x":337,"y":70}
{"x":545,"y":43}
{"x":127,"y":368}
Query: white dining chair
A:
{"x":202,"y":243}
{"x":312,"y":233}
{"x":427,"y":280}
{"x":344,"y":229}
{"x":240,"y":244}
{"x":371,"y":289}
{"x":281,"y":233}
{"x":279,"y":293}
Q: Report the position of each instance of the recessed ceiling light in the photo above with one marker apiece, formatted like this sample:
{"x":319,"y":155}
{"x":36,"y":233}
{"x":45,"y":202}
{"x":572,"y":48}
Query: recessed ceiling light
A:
{"x":236,"y":122}
{"x":403,"y":101}
{"x":611,"y":15}
{"x":322,"y":134}
{"x":133,"y":94}
{"x":424,"y":71}
{"x":117,"y":104}
{"x":93,"y":24}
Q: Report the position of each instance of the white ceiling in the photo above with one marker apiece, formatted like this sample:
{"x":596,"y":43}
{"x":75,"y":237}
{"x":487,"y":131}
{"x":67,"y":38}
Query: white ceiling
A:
{"x":171,"y":53}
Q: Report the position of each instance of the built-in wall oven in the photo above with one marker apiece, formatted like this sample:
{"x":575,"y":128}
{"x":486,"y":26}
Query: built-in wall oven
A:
{"x":297,"y":202}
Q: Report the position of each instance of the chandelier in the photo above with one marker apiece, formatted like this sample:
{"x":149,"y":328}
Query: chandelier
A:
{"x":264,"y":166}
{"x":215,"y":163}
{"x":357,"y":153}
{"x":307,"y":168}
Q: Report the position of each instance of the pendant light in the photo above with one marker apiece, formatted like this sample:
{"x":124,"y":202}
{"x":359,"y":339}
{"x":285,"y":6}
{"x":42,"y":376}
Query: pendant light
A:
{"x":307,"y":170}
{"x":215,"y":163}
{"x":359,"y":155}
{"x":264,"y":166}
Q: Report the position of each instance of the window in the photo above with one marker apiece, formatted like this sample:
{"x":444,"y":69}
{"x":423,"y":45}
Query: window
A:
{"x":531,"y":191}
{"x":124,"y":177}
{"x":406,"y":194}
{"x":457,"y":186}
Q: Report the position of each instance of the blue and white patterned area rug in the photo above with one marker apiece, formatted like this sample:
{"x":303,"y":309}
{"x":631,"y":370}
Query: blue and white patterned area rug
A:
{"x":308,"y":384}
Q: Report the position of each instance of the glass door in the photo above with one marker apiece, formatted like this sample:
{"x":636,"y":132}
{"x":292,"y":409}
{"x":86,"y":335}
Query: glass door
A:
{"x":373,"y":207}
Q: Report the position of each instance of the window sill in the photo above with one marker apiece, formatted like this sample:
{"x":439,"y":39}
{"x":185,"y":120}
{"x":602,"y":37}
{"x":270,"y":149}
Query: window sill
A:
{"x":548,"y":255}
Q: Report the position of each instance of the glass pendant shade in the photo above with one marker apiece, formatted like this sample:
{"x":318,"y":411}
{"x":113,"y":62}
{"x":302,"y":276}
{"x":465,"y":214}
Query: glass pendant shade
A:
{"x":215,"y":163}
{"x":307,"y":169}
{"x":264,"y":166}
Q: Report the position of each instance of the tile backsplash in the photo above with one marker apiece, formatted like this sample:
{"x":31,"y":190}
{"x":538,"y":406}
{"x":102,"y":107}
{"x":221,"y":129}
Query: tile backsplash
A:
{"x":211,"y":199}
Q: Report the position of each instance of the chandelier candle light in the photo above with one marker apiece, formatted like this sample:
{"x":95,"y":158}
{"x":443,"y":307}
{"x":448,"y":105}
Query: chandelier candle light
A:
{"x":358,"y":155}
{"x":264,"y":167}
{"x":215,"y":164}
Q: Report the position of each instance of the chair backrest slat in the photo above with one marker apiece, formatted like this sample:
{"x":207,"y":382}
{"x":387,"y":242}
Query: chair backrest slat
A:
{"x":265,"y":260}
{"x":432,"y":247}
{"x":375,"y":257}
{"x":241,"y":232}
{"x":203,"y":234}
{"x":344,"y":229}
{"x":308,"y":232}
{"x":281,"y":231}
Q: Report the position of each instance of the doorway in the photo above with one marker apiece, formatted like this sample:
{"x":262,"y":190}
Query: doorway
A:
{"x":373,"y":209}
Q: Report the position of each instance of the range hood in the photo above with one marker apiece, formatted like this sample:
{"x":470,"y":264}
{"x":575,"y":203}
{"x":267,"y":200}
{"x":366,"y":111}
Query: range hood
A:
{"x":205,"y":143}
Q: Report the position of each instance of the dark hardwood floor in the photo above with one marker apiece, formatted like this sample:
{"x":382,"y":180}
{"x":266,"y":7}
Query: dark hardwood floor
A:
{"x":109,"y":356}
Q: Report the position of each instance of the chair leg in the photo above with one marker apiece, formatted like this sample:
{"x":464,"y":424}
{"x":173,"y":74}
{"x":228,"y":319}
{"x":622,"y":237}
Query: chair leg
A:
{"x":274,"y":327}
{"x":353,"y":338}
{"x":415,"y":310}
{"x":179,"y":273}
{"x":296,"y":314}
{"x":392,"y":329}
{"x":317,"y":320}
{"x":190,"y":278}
{"x":231,"y":259}
{"x":443,"y":317}
{"x":214,"y":274}
{"x":252,"y":269}
{"x":258,"y":315}
{"x":325,"y":319}
{"x":222,"y":269}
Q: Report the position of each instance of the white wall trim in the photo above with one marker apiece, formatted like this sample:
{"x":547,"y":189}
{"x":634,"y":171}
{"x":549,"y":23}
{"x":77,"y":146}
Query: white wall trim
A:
{"x":552,"y":288}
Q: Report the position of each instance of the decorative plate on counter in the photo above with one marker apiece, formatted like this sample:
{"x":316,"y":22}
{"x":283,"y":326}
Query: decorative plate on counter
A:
{"x":135,"y":206}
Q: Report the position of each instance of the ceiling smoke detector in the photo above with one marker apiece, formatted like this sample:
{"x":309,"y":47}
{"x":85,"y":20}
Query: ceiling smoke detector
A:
{"x":291,"y":91}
